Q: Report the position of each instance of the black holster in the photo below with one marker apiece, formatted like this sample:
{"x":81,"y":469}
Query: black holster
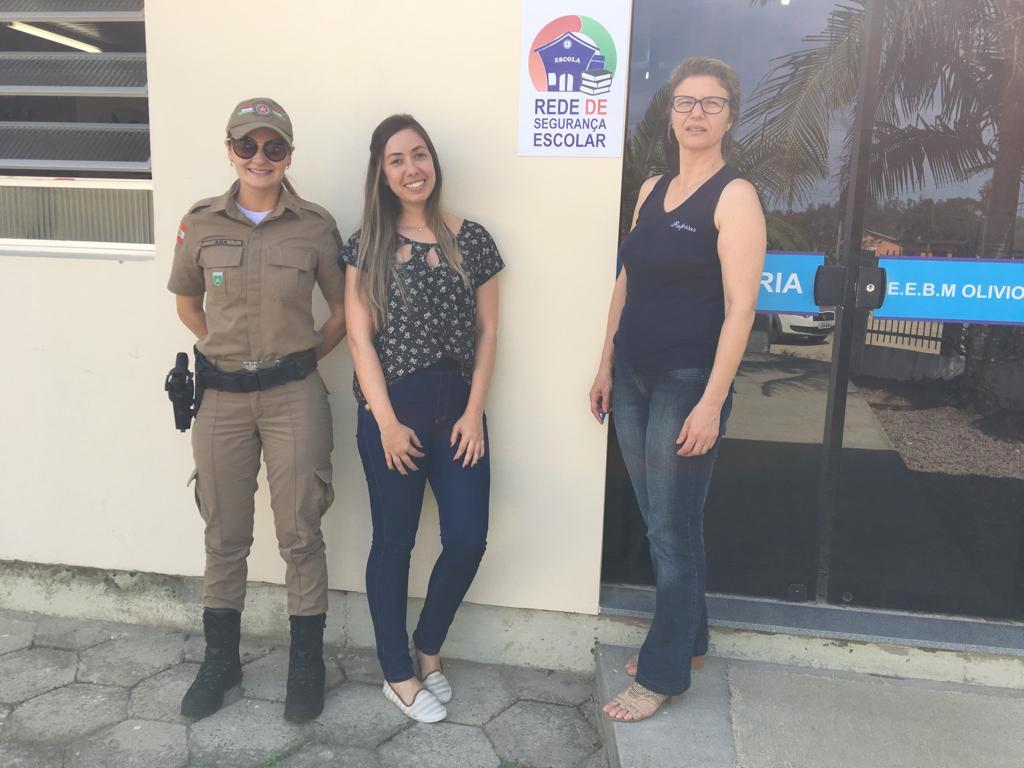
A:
{"x":183,"y":393}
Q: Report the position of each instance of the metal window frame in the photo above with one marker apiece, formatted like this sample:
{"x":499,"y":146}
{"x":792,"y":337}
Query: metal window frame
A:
{"x":51,"y":164}
{"x":64,"y":182}
{"x":7,"y":89}
{"x":85,"y":15}
{"x":960,"y":634}
{"x":76,"y":249}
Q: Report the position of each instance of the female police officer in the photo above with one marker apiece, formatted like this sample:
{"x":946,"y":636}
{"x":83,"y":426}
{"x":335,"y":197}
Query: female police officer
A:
{"x":243,"y":273}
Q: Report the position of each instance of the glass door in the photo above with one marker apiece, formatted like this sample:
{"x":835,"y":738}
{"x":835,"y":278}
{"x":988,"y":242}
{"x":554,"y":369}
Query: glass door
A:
{"x":931,"y":517}
{"x":761,"y":512}
{"x":875,"y":455}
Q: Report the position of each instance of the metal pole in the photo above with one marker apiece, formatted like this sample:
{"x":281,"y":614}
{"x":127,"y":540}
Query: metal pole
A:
{"x":853,"y":223}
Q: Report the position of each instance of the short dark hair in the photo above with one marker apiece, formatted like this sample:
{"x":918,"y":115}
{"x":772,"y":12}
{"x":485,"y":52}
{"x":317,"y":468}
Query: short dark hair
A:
{"x":696,"y":66}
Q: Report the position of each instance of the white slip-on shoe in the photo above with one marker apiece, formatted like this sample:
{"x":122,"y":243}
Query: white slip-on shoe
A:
{"x":435,"y":682}
{"x":438,"y":685}
{"x":425,"y":708}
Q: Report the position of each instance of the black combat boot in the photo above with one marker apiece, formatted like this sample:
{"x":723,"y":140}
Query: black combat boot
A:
{"x":306,"y":671}
{"x":221,"y":668}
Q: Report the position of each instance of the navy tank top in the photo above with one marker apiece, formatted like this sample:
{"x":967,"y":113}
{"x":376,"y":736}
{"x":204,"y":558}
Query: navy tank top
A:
{"x":675,"y":306}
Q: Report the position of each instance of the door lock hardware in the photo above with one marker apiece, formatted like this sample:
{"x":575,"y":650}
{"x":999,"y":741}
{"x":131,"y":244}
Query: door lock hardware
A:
{"x":830,"y":279}
{"x":870,"y":287}
{"x":828,"y":285}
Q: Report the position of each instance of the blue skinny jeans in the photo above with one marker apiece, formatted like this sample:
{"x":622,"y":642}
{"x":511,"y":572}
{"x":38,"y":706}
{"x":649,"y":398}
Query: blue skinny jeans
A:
{"x":429,"y":402}
{"x":649,"y":411}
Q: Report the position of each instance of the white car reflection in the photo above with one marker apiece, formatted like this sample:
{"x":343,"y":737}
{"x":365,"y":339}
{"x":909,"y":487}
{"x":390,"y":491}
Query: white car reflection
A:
{"x":818,"y":325}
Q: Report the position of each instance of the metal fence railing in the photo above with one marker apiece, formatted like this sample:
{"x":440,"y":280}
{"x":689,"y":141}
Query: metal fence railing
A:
{"x":915,"y":335}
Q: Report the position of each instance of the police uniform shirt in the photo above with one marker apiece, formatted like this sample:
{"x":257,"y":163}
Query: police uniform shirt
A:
{"x":258,"y":279}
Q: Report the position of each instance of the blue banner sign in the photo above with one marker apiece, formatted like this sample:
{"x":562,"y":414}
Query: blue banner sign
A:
{"x":787,"y":283}
{"x":953,"y":290}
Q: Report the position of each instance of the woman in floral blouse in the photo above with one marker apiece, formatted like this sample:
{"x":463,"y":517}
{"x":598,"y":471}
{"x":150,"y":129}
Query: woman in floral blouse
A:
{"x":422,"y":314}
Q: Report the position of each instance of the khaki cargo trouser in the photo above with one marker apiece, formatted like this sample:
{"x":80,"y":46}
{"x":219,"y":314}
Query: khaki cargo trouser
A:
{"x":291,"y":425}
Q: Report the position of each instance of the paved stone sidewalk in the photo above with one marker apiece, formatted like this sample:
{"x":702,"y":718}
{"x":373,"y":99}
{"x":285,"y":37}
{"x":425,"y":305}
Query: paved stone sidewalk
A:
{"x":743,"y":714}
{"x":90,"y":694}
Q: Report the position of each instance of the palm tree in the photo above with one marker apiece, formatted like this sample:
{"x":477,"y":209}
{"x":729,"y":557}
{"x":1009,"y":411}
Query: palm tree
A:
{"x":644,"y":154}
{"x":948,"y":105}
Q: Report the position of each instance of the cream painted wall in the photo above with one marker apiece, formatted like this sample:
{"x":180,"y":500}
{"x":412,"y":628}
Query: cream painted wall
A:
{"x":94,"y":473}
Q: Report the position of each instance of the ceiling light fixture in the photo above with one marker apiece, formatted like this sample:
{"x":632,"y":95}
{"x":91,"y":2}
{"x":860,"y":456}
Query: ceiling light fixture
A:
{"x":53,"y":37}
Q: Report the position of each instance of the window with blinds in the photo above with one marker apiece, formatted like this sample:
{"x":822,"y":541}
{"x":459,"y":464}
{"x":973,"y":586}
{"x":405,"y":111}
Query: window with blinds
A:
{"x":74,"y":122}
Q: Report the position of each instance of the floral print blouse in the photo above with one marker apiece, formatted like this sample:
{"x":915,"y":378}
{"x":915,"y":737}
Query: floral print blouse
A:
{"x":436,"y":318}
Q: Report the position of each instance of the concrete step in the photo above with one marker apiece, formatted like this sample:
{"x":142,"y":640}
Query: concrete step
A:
{"x":694,"y":731}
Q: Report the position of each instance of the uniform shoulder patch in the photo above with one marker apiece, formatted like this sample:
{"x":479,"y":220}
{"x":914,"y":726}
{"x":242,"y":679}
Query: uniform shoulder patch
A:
{"x":182,"y":231}
{"x":206,"y":202}
{"x":318,"y":210}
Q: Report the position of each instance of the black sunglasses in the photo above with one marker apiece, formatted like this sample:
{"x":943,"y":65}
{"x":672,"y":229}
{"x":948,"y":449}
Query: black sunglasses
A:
{"x":274,"y":150}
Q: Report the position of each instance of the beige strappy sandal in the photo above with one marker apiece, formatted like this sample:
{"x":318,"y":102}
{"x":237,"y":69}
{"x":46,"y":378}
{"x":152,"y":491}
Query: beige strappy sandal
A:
{"x":697,"y":664}
{"x":638,"y":702}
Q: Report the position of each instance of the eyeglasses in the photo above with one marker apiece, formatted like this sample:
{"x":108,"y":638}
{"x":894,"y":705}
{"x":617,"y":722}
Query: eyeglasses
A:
{"x":274,"y":150}
{"x":709,"y":105}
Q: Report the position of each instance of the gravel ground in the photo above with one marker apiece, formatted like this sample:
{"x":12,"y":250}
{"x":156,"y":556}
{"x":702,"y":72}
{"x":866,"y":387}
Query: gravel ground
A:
{"x":932,"y":434}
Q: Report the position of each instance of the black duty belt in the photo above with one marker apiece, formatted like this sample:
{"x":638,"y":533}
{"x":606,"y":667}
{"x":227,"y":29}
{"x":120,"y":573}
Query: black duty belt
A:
{"x":290,"y":368}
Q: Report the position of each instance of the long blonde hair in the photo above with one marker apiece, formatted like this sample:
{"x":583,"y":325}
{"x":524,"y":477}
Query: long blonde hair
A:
{"x":378,"y":235}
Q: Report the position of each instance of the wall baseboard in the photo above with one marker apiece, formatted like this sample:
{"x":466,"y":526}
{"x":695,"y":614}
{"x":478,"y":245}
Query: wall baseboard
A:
{"x":481,"y":633}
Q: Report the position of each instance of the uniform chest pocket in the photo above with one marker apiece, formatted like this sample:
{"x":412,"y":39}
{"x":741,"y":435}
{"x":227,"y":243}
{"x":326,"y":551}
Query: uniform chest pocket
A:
{"x":291,"y":271}
{"x":222,"y":265}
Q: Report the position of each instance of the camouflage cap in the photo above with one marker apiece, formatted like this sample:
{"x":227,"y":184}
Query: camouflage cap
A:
{"x":251,"y":114}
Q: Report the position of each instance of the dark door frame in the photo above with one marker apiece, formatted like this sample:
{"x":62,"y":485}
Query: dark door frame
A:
{"x":819,"y":617}
{"x":847,"y":313}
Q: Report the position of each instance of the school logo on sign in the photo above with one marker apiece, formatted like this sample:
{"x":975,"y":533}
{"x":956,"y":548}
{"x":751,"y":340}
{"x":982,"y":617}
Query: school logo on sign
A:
{"x":571,"y":102}
{"x":573,"y":54}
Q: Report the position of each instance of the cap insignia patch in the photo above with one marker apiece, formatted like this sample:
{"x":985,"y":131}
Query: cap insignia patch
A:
{"x":260,"y":108}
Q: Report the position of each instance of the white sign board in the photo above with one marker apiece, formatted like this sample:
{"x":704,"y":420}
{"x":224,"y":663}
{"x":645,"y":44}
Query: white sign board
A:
{"x":573,"y":76}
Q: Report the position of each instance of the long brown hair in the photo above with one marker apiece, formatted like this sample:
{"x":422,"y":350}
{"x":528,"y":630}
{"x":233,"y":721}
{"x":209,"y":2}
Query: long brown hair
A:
{"x":378,"y":235}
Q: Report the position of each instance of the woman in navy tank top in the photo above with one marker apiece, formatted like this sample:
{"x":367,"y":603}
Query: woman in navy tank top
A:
{"x":680,"y":315}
